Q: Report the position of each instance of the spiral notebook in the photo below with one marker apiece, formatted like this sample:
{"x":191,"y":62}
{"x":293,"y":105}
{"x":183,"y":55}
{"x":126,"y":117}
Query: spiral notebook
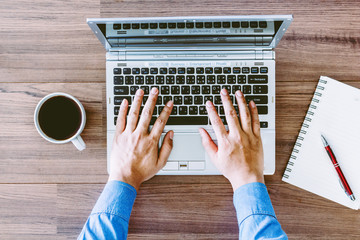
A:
{"x":334,"y":112}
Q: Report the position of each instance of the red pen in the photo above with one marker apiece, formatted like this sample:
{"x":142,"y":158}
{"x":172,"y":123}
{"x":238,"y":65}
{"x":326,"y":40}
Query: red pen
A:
{"x":344,"y":184}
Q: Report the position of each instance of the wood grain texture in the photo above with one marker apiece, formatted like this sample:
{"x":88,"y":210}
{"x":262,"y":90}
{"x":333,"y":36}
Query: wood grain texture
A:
{"x":47,"y":191}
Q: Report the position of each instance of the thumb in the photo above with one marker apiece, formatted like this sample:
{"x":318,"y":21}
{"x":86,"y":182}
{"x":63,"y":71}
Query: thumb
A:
{"x":207,"y":142}
{"x":166,"y":148}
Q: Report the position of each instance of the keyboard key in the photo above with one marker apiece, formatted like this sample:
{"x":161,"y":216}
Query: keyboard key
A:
{"x":195,"y":90}
{"x":126,"y":26}
{"x":235,"y":24}
{"x":241,"y":79}
{"x":200,"y":70}
{"x":172,"y":25}
{"x":223,"y":119}
{"x":185,"y":89}
{"x":246,"y":70}
{"x":236,"y":69}
{"x":228,"y":88}
{"x":129,"y":80}
{"x":181,"y":70}
{"x":190,"y":79}
{"x":227,"y":70}
{"x":217,"y":100}
{"x":153,"y":71}
{"x":217,"y":24}
{"x":221,"y":110}
{"x":159,"y":101}
{"x":205,"y":89}
{"x":262,"y":110}
{"x":208,"y":24}
{"x":163,"y":70}
{"x":246,"y":89}
{"x":254,"y":70}
{"x":257,"y":99}
{"x":253,"y":24}
{"x":226,"y":24}
{"x":153,"y":25}
{"x":118,"y":100}
{"x":181,"y":25}
{"x":193,"y":110}
{"x":183,"y":111}
{"x":216,"y":89}
{"x":175,"y":90}
{"x":260,"y":89}
{"x":133,"y":89}
{"x":115,"y":120}
{"x":145,"y":71}
{"x":190,"y":70}
{"x":188,"y":100}
{"x":263,"y":70}
{"x":144,"y":25}
{"x":117,"y":71}
{"x":245,"y":24}
{"x":160,"y":79}
{"x":263,"y":124}
{"x":145,"y":98}
{"x":258,"y":79}
{"x":116,"y":111}
{"x":162,"y":25}
{"x":146,"y":89}
{"x":210,"y":79}
{"x":139,"y":80}
{"x":199,"y":25}
{"x":262,"y":24}
{"x":189,"y":25}
{"x":118,"y":80}
{"x":198,"y":100}
{"x":135,"y":26}
{"x":160,"y":108}
{"x":208,"y":98}
{"x":174,"y":110}
{"x":127,"y":70}
{"x":167,"y":99}
{"x":235,"y":88}
{"x":180,"y":79}
{"x":149,"y":80}
{"x":231,"y":79}
{"x":218,"y":70}
{"x":202,"y":110}
{"x":165,"y":90}
{"x":200,"y":79}
{"x":178,"y":100}
{"x":209,"y":70}
{"x":221,"y":79}
{"x":117,"y":26}
{"x":172,"y":70}
{"x":193,"y":120}
{"x":170,"y":79}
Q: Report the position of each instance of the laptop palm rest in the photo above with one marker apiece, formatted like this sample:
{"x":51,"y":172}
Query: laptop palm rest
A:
{"x":186,"y":146}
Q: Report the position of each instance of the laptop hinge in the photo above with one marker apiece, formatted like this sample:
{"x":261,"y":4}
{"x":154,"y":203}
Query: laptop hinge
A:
{"x":115,"y":56}
{"x":264,"y":54}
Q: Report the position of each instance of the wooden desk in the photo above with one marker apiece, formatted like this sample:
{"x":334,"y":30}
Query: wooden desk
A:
{"x":47,"y":191}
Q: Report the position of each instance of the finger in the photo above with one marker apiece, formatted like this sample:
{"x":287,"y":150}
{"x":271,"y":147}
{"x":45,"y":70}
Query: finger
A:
{"x":207,"y":142}
{"x":161,"y":121}
{"x":244,"y":113}
{"x":215,"y":120}
{"x":134,"y":110}
{"x":148,"y":110}
{"x":121,"y":120}
{"x":230,"y":113}
{"x":255,"y":119}
{"x":166,"y":148}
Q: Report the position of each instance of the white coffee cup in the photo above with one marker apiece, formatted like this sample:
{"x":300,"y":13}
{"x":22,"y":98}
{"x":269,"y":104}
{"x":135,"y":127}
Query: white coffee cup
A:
{"x":74,"y":138}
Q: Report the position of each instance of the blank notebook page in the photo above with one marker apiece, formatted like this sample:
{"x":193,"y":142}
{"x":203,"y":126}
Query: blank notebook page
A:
{"x":335,"y":113}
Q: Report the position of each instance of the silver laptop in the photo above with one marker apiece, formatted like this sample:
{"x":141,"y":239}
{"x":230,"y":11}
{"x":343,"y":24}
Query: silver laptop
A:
{"x":190,"y":59}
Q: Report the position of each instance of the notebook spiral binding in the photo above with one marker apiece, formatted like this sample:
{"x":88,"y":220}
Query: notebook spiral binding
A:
{"x":306,"y":124}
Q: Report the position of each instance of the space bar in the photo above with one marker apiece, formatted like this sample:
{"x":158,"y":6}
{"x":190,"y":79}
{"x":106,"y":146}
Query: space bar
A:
{"x":193,"y":120}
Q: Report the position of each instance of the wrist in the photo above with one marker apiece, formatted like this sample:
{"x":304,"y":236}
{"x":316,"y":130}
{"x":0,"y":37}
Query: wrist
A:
{"x":133,"y":182}
{"x":241,"y":180}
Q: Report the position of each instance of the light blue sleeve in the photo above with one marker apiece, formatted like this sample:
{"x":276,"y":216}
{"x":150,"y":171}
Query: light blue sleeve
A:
{"x":255,"y":213}
{"x":110,"y":217}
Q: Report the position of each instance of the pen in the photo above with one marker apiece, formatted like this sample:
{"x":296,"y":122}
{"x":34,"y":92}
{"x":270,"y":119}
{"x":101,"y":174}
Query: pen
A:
{"x":344,"y":184}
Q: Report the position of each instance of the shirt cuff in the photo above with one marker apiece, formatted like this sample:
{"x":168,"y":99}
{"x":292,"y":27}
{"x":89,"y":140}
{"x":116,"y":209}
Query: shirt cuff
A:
{"x":252,"y":199}
{"x":117,"y":198}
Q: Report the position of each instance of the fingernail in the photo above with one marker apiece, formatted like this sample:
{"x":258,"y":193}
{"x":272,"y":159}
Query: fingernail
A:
{"x":139,"y":92}
{"x":154,"y":90}
{"x":169,"y":103}
{"x":224,"y":92}
{"x":208,"y":103}
{"x":238,"y":93}
{"x":252,"y":104}
{"x":171,"y":135}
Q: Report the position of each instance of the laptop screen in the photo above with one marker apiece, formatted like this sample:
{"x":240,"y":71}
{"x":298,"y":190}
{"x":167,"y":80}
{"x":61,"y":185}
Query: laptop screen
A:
{"x":163,"y":33}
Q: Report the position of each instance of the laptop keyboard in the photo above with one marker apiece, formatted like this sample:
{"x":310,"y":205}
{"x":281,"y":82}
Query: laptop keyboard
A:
{"x":190,"y":87}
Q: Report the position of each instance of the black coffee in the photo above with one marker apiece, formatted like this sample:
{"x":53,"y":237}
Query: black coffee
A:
{"x":60,"y":118}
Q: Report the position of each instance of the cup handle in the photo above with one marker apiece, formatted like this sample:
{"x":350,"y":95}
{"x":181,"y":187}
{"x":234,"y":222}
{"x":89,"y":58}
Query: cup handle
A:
{"x":79,"y":143}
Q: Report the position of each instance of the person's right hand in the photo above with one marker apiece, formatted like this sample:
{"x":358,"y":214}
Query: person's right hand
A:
{"x":239,"y":154}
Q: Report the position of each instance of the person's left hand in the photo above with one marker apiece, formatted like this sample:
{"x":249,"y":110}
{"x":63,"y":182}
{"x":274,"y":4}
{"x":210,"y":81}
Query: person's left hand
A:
{"x":135,"y":155}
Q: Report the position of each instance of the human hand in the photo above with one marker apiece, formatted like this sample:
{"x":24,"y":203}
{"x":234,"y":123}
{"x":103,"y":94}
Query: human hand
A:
{"x":239,"y":154}
{"x":135,"y":155}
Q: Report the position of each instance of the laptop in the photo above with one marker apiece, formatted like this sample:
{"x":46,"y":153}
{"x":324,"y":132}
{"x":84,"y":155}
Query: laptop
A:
{"x":190,"y":59}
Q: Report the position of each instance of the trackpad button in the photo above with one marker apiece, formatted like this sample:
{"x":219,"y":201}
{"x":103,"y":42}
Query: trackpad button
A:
{"x":186,"y":146}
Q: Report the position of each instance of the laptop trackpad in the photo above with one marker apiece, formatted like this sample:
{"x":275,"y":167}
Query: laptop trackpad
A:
{"x":187,"y":146}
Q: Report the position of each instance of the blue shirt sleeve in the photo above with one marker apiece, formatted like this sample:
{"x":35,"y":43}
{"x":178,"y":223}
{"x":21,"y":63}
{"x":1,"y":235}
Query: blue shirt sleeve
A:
{"x":255,"y":213}
{"x":110,"y":217}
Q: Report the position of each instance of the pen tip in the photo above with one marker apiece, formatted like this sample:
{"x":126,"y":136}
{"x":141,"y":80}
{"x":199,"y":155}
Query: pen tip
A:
{"x":324,"y":140}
